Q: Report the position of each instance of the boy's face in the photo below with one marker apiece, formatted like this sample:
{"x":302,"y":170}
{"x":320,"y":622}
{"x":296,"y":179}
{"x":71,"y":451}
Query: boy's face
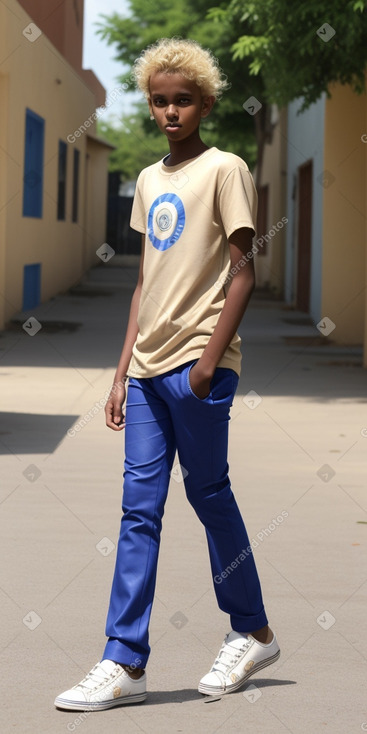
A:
{"x":177,"y":105}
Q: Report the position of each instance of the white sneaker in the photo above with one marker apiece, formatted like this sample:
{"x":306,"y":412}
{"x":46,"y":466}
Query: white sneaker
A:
{"x":108,"y":684}
{"x":239,"y":657}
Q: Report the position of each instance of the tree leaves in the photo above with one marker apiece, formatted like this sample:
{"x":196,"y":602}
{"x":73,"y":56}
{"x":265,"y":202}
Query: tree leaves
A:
{"x":284,"y":45}
{"x":229,"y":126}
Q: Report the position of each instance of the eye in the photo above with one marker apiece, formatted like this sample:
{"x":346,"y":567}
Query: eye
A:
{"x":184,"y":100}
{"x":158,"y":101}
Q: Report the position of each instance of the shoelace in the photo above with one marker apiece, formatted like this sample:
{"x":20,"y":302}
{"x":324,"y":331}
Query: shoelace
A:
{"x":96,"y":677}
{"x":229,"y":656}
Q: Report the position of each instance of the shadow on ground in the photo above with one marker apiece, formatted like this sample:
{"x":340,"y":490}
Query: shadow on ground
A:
{"x":29,"y":433}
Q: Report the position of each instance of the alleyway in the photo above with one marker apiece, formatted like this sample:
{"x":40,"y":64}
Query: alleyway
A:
{"x":298,"y":444}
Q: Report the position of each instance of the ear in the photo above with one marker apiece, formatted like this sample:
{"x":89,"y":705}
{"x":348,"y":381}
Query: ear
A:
{"x":150,"y":105}
{"x":207,"y":106}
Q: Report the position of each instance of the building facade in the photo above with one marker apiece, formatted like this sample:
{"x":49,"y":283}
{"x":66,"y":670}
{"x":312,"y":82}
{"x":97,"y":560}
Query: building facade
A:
{"x":272,"y":222}
{"x":319,"y":183}
{"x":53,"y":166}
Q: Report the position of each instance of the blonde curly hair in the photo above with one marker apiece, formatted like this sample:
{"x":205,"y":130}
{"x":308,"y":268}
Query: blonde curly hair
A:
{"x":180,"y":56}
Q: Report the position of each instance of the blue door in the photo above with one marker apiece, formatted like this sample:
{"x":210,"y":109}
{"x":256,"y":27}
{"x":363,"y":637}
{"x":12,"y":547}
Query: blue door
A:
{"x":31,"y":286}
{"x":33,"y":165}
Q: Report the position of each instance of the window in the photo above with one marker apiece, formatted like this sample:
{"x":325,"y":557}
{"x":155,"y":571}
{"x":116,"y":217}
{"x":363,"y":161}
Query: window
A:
{"x":61,"y":187}
{"x":31,"y":286}
{"x":75,"y":185}
{"x":33,"y":165}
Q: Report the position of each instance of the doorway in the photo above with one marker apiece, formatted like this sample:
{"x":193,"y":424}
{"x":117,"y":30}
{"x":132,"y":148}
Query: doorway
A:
{"x":304,"y":236}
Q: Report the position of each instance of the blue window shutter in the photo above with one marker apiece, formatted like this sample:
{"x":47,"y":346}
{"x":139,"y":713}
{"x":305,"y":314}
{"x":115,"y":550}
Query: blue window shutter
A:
{"x":61,"y":183}
{"x":31,"y":286}
{"x":33,"y":165}
{"x":74,"y":217}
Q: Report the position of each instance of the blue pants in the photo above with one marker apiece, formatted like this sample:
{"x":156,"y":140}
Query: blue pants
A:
{"x":163,"y":414}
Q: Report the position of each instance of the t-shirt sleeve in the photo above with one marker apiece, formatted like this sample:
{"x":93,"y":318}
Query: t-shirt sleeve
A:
{"x":138,"y":214}
{"x":238,"y":201}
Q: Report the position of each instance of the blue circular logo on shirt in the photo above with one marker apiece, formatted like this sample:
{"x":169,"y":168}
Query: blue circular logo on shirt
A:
{"x":166,"y":220}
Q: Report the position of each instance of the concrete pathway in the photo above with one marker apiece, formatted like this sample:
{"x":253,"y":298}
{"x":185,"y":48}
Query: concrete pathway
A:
{"x":298,"y":467}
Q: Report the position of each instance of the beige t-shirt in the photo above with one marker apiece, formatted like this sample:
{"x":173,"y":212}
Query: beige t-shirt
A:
{"x":187,"y":213}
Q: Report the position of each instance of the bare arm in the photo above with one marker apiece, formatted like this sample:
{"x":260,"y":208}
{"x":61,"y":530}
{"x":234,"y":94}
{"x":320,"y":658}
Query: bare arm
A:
{"x":113,"y":407}
{"x":238,"y":296}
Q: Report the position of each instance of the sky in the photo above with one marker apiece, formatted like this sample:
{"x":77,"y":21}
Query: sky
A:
{"x":99,"y":57}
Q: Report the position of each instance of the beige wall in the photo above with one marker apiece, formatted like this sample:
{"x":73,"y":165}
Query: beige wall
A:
{"x":30,"y":72}
{"x":96,"y":200}
{"x":365,"y":239}
{"x":62,"y":22}
{"x":4,"y":92}
{"x":270,"y":267}
{"x":344,"y":215}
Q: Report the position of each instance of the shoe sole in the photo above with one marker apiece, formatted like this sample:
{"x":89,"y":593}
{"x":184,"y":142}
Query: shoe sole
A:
{"x":65,"y":704}
{"x":212,"y":691}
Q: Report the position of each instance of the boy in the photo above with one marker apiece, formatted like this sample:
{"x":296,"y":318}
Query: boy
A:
{"x":196,"y":210}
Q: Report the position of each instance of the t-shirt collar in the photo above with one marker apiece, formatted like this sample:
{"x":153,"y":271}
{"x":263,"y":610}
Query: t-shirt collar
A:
{"x":171,"y":169}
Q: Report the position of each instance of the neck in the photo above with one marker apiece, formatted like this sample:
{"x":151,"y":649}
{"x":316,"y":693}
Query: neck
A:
{"x":185,"y":149}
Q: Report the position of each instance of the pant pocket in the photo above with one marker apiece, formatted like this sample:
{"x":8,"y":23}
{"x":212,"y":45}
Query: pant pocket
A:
{"x":208,"y":398}
{"x":223,"y":385}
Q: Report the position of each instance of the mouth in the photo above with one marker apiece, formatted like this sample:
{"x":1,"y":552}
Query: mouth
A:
{"x":173,"y":126}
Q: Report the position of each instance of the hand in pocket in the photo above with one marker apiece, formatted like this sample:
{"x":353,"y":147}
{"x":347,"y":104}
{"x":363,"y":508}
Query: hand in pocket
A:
{"x":200,"y":385}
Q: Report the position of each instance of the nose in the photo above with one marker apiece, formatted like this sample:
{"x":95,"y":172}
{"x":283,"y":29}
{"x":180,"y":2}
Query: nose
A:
{"x":171,"y":112}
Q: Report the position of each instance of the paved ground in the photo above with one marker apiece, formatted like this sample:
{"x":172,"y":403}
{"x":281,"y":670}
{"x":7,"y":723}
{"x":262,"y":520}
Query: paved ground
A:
{"x":298,"y":448}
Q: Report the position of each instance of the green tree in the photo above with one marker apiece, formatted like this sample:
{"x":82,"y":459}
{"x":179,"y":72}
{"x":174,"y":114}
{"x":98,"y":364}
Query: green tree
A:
{"x":272,"y":50}
{"x":299,"y":48}
{"x":229,"y":126}
{"x":135,"y":148}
